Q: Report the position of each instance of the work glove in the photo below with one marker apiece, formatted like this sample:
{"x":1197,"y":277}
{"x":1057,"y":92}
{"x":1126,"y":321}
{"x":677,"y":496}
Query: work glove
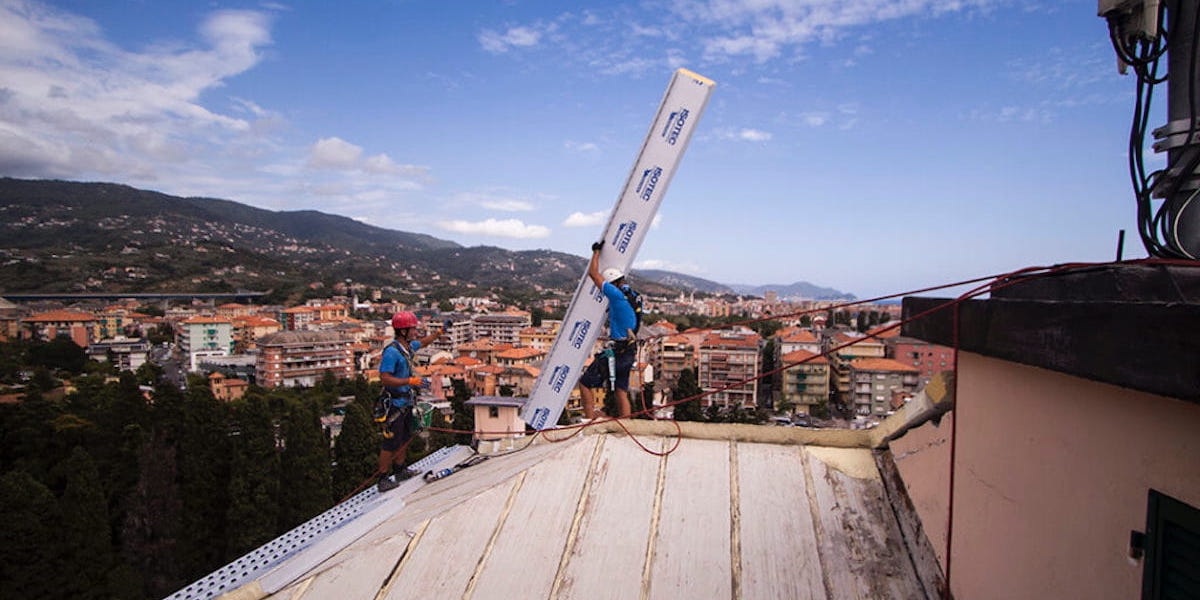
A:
{"x":596,"y":246}
{"x":422,"y":382}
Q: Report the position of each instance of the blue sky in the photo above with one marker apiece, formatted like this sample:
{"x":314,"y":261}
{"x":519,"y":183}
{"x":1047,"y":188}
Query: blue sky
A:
{"x":874,"y":146}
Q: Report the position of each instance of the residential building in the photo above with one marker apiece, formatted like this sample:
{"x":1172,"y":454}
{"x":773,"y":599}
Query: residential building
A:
{"x":727,"y":359}
{"x":519,"y":357}
{"x":200,"y":337}
{"x":483,"y":349}
{"x":669,"y":356}
{"x":850,"y":346}
{"x":298,"y":318}
{"x":227,"y":389}
{"x":303,"y":358}
{"x":497,"y":417}
{"x":540,"y":338}
{"x":248,"y":329}
{"x":927,"y":358}
{"x":805,"y":384}
{"x":795,"y":338}
{"x":125,"y":353}
{"x":234,"y":310}
{"x":501,"y":328}
{"x":74,"y":325}
{"x":874,"y":380}
{"x":117,"y":321}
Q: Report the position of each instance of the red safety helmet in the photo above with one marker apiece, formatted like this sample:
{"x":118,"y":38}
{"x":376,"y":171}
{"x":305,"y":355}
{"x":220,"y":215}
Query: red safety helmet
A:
{"x":404,"y":320}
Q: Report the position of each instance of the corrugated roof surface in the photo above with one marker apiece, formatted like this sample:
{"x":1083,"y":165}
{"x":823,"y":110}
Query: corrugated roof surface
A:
{"x":595,"y":516}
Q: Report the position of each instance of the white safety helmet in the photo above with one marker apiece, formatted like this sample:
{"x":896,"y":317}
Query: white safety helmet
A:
{"x":611,"y":274}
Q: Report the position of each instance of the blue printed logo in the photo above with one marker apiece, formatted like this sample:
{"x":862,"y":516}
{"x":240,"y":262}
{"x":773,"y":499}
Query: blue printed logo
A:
{"x":624,"y":236}
{"x":645,"y":187}
{"x":579,"y":332}
{"x":539,"y":418}
{"x":674,"y":126}
{"x":597,"y":294}
{"x":559,"y":377}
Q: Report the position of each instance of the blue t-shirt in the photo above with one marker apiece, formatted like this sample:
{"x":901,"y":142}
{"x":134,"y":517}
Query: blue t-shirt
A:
{"x":621,"y":318}
{"x":397,"y":365}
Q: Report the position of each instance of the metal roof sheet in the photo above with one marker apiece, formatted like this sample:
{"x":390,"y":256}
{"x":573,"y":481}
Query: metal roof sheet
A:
{"x":595,"y":516}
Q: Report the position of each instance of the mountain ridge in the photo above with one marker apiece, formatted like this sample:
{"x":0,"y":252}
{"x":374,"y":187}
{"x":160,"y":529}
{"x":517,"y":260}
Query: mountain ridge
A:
{"x":58,"y":236}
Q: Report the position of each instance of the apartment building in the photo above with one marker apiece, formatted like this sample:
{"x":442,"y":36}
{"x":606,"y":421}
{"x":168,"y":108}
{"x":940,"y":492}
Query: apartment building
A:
{"x":875,"y":380}
{"x":519,"y":357}
{"x":116,"y":321}
{"x":501,"y":328}
{"x":247,"y":330}
{"x":927,"y":358}
{"x":669,"y":356}
{"x":125,"y":353}
{"x":854,"y":346}
{"x":806,"y":384}
{"x":725,"y":359}
{"x":200,"y":337}
{"x":75,"y":325}
{"x":298,"y":318}
{"x":303,"y":358}
{"x":540,"y":338}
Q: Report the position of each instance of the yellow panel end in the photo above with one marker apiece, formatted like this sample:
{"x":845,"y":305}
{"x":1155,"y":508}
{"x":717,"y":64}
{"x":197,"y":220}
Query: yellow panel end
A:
{"x":702,"y":79}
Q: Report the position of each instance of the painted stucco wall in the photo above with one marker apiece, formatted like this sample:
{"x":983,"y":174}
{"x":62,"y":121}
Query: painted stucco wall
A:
{"x":1052,"y":474}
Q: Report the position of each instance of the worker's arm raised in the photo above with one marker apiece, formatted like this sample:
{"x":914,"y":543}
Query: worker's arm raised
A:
{"x":594,"y":265}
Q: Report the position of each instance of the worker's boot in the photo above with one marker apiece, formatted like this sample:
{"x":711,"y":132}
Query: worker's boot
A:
{"x":386,"y":483}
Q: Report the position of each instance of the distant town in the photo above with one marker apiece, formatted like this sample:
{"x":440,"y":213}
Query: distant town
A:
{"x":497,"y":350}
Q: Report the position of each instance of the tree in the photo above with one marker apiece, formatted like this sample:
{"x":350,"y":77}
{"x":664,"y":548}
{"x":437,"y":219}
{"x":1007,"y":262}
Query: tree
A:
{"x":254,"y":479}
{"x":150,"y":536}
{"x":464,"y":416}
{"x":355,"y":451}
{"x":687,"y":387}
{"x":203,"y":480}
{"x":84,"y":529}
{"x":305,"y":487}
{"x":29,"y":557}
{"x":59,"y":353}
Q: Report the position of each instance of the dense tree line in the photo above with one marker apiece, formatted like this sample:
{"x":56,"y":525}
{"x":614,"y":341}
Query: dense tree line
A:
{"x":119,"y":489}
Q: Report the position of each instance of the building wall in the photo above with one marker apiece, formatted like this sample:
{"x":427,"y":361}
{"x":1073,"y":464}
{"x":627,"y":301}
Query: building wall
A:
{"x":1053,"y":474}
{"x":506,"y":424}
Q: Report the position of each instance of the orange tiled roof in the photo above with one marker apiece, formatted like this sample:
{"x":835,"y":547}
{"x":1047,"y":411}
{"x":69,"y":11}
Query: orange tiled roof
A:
{"x":801,"y":336}
{"x":520,"y":353}
{"x":55,"y":316}
{"x":800,"y":355}
{"x":208,"y":320}
{"x":880,"y":364}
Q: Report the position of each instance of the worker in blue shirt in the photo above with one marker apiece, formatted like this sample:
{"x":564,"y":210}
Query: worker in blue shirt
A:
{"x":396,"y":374}
{"x":622,"y":332}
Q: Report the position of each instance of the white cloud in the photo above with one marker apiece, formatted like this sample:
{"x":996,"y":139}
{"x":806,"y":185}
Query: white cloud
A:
{"x":497,"y":198}
{"x":334,"y":153}
{"x":75,"y":105}
{"x":580,"y":146}
{"x":765,"y":29}
{"x":515,"y":37}
{"x":744,"y":134}
{"x":666,"y":265}
{"x":507,"y":205}
{"x":578,"y":219}
{"x":509,"y":228}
